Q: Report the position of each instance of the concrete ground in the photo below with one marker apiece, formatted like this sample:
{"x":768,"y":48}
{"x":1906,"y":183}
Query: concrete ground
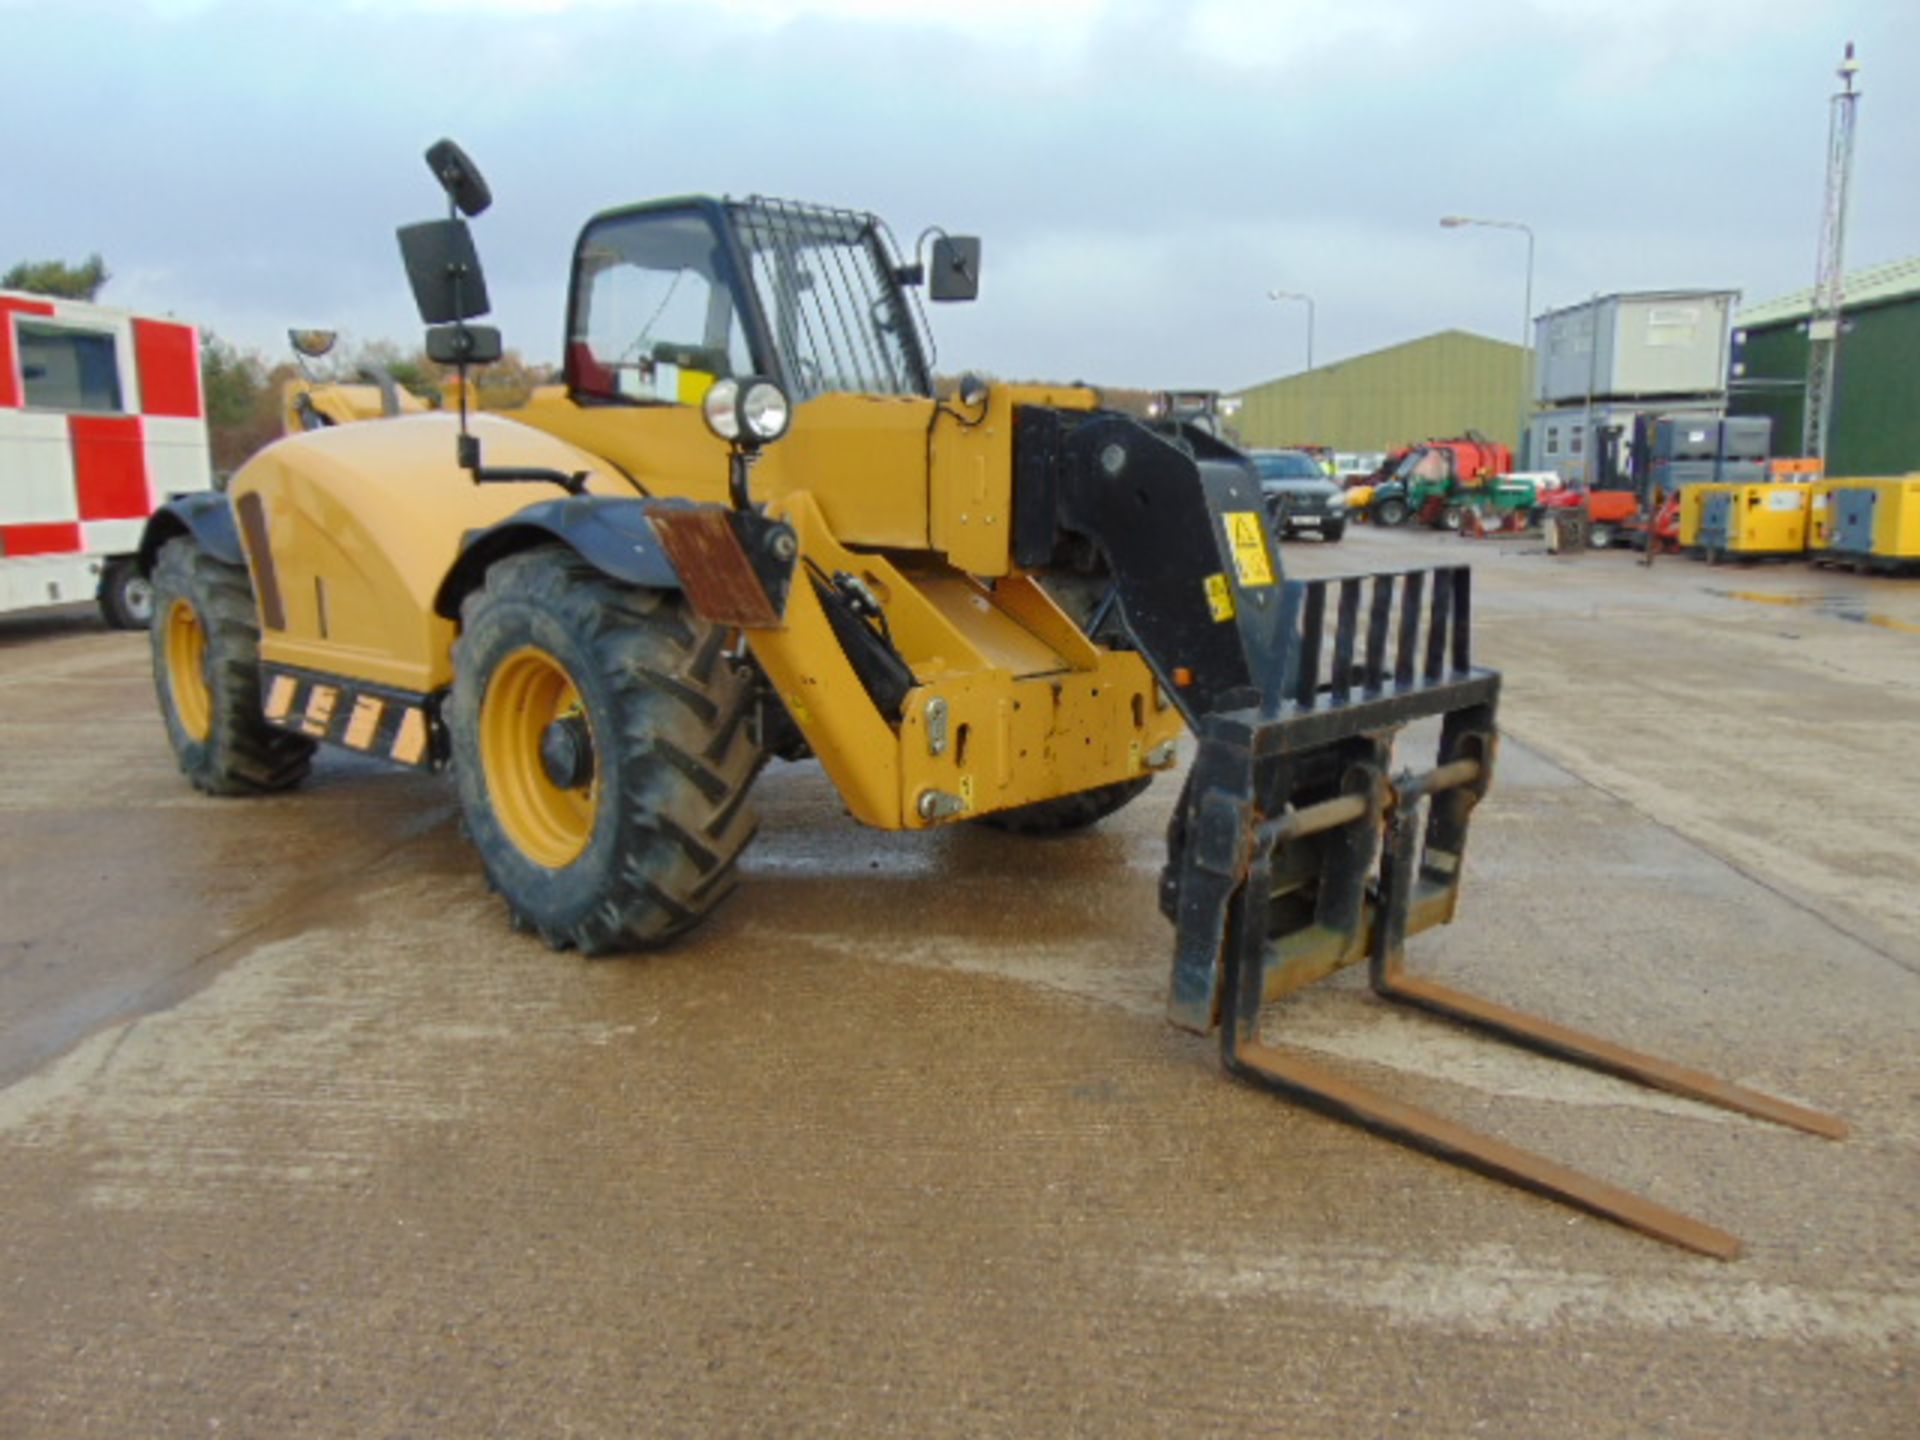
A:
{"x":298,"y":1139}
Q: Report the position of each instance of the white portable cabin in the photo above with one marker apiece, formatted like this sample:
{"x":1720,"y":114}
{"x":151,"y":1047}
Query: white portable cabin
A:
{"x":1635,"y":345}
{"x":101,"y":419}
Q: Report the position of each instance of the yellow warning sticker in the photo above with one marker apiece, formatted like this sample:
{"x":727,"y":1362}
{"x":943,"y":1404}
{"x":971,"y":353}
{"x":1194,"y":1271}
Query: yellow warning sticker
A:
{"x":1219,"y":597}
{"x":966,"y":791}
{"x":1247,"y":534}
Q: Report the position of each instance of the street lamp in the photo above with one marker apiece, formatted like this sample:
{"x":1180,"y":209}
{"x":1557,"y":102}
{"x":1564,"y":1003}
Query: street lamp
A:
{"x":1308,"y":300}
{"x":1312,"y":398}
{"x":1454,"y":222}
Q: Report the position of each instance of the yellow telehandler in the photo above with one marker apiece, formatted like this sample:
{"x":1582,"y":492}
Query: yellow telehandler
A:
{"x":747,"y":528}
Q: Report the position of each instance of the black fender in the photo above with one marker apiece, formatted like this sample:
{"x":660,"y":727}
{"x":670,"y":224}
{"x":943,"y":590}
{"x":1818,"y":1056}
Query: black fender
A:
{"x":206,"y":515}
{"x":611,"y":533}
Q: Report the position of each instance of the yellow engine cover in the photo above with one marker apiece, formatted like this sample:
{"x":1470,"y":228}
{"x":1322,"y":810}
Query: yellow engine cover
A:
{"x":1773,"y":519}
{"x":361,"y":523}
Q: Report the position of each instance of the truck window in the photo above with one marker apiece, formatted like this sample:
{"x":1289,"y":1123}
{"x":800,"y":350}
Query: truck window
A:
{"x":62,"y":368}
{"x":825,"y":285}
{"x":653,"y":319}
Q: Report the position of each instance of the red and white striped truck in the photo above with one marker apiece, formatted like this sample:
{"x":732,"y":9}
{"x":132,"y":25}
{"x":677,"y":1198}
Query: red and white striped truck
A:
{"x":101,"y":419}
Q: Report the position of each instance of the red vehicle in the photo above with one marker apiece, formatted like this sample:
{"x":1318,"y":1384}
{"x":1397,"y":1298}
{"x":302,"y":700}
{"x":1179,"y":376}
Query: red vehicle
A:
{"x":1610,"y":512}
{"x":1421,"y":478}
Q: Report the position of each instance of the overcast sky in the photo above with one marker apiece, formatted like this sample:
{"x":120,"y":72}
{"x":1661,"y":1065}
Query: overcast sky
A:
{"x":1143,"y":172}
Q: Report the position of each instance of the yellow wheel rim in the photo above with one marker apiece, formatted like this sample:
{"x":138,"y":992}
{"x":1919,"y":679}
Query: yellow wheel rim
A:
{"x":186,"y":651}
{"x":528,"y":692}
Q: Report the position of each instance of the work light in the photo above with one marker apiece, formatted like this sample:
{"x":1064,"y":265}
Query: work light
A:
{"x":754,"y":411}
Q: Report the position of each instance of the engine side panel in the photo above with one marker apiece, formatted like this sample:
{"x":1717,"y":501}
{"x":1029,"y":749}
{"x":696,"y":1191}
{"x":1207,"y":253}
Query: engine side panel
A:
{"x":363,"y":522}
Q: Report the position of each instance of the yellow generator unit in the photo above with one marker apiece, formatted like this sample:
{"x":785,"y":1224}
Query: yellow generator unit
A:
{"x":1751,"y":522}
{"x":1692,"y":500}
{"x":1874,"y":524}
{"x":1819,"y":518}
{"x":749,"y":528}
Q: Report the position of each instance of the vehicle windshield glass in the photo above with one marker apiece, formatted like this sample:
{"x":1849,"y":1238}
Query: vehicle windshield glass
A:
{"x":654,"y":319}
{"x":825,"y":283}
{"x":1288,"y":465}
{"x":1427,"y":464}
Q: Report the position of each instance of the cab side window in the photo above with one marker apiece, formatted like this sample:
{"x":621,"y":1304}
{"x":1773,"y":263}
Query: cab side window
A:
{"x":653,"y":318}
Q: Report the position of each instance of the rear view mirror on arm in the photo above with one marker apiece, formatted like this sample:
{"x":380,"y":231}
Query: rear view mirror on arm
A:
{"x":954,"y":273}
{"x":444,"y":270}
{"x":466,"y":187}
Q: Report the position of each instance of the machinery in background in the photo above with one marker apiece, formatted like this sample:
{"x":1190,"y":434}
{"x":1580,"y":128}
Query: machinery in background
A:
{"x":1435,"y":481}
{"x":1205,"y":410}
{"x":1866,"y":524}
{"x":310,"y":403}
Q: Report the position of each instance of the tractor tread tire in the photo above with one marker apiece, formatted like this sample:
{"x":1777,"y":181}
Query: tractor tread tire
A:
{"x":667,"y":708}
{"x":1066,"y":813}
{"x":242,"y":754}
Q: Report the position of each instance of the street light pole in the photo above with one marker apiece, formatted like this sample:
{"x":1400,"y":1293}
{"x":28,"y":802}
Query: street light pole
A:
{"x":1454,"y":222}
{"x":1308,"y":300}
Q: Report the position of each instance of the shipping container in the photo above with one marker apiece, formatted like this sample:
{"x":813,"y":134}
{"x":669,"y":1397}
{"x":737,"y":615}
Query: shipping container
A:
{"x":1645,"y":344}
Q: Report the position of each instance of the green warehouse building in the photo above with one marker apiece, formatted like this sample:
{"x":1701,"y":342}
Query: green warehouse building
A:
{"x":1876,"y":401}
{"x":1444,"y":384}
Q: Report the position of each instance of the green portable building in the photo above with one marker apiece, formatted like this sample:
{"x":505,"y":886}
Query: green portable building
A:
{"x":1875,"y":428}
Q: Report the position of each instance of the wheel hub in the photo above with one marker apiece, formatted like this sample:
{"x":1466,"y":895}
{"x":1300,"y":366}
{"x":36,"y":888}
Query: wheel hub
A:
{"x":566,"y":752}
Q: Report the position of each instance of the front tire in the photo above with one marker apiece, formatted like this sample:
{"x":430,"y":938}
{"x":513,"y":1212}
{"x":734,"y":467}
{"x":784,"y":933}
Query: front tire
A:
{"x":603,"y":753}
{"x":1390,"y":512}
{"x":1332,"y":533}
{"x":205,"y":639}
{"x":1065,"y":813}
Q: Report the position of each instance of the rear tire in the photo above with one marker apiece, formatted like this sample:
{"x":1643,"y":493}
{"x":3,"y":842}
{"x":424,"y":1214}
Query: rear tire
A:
{"x":126,"y":595}
{"x":205,"y":639}
{"x":644,"y":841}
{"x":1066,"y":813}
{"x":1451,"y":518}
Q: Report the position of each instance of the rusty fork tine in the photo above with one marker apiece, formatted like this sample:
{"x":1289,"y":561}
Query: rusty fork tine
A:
{"x":1301,"y":1081}
{"x":1565,"y":1043}
{"x":1245,"y":1055}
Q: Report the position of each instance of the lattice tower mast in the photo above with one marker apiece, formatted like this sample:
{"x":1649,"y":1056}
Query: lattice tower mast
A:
{"x":1823,"y":320}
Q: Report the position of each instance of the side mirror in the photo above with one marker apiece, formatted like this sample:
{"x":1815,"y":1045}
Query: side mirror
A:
{"x":444,"y":270}
{"x":459,"y":177}
{"x":458,"y":344}
{"x":955,"y":270}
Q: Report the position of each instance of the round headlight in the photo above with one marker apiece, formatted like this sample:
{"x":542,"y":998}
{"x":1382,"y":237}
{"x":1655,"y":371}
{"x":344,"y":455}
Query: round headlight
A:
{"x":721,"y":406}
{"x":764,"y":411}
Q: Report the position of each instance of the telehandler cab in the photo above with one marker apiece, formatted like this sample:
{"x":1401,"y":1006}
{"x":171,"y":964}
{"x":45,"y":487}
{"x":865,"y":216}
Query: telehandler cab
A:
{"x":749,"y":528}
